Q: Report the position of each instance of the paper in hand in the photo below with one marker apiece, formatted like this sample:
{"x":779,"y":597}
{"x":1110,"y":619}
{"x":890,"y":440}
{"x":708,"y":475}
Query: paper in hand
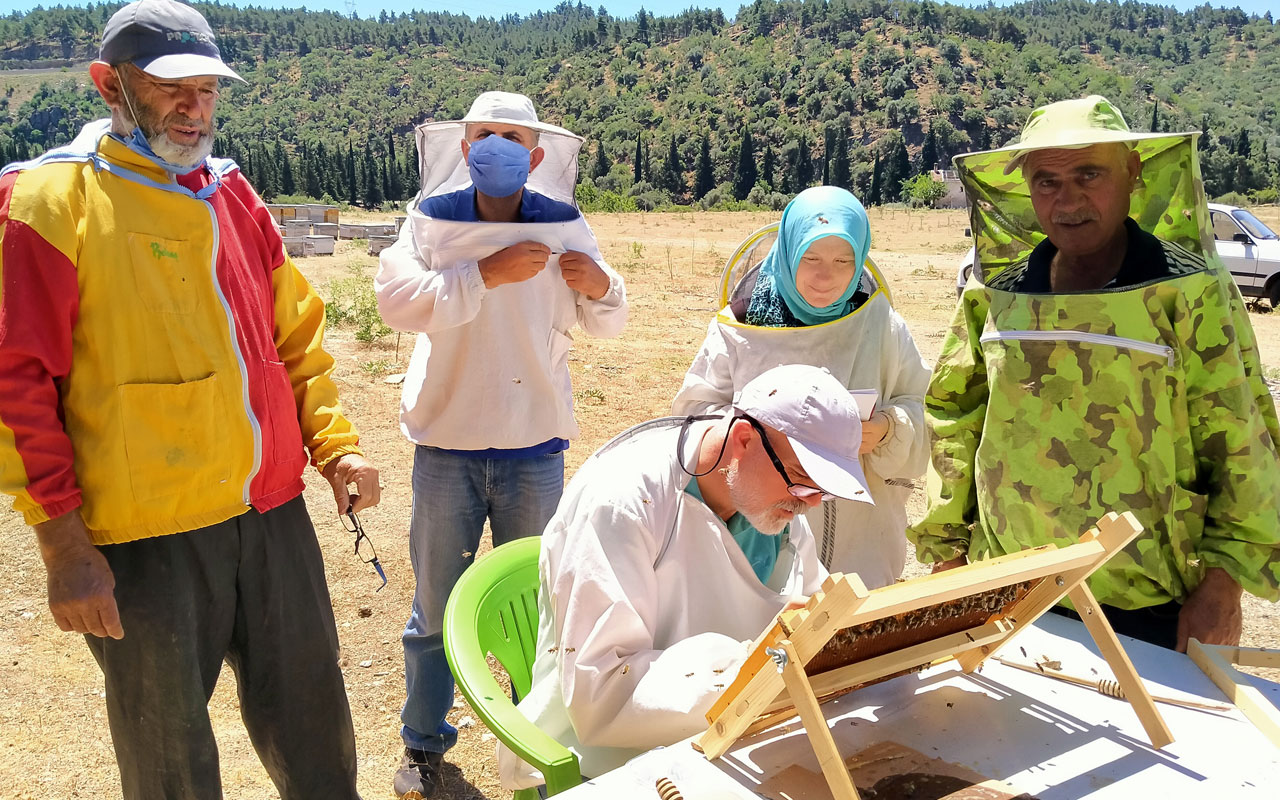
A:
{"x":865,"y":400}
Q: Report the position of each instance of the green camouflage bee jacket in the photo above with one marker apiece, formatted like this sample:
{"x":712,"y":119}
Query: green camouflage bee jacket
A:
{"x":1049,"y":410}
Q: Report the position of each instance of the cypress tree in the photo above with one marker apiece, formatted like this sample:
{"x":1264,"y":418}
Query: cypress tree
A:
{"x":841,"y":171}
{"x":250,"y":166}
{"x":637,"y":174}
{"x":600,"y":166}
{"x":804,"y":165}
{"x":372,"y":179}
{"x":704,"y":179}
{"x":790,"y":161}
{"x":929,"y":151}
{"x":352,"y":187}
{"x":394,"y":189}
{"x":767,"y":169}
{"x":744,"y":176}
{"x":265,"y":169}
{"x":409,"y":173}
{"x":828,"y":145}
{"x":317,"y":165}
{"x":285,"y":176}
{"x":897,"y":169}
{"x":1243,"y":148}
{"x":311,"y":174}
{"x":672,"y":170}
{"x":877,"y":183}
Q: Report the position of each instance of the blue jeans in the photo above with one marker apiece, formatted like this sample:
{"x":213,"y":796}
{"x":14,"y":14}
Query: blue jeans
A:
{"x":452,"y":496}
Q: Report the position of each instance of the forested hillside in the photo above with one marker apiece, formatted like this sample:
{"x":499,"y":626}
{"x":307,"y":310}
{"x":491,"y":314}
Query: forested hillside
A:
{"x":860,"y":93}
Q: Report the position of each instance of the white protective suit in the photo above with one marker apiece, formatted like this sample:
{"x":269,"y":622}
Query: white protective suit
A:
{"x":870,"y":348}
{"x":647,"y":607}
{"x":492,"y":369}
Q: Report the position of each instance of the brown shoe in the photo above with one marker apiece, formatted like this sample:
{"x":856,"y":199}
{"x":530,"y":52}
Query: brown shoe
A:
{"x":419,"y":775}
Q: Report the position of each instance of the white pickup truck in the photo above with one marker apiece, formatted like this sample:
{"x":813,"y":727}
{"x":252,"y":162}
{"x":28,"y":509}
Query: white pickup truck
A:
{"x":1249,"y":249}
{"x":1245,"y":244}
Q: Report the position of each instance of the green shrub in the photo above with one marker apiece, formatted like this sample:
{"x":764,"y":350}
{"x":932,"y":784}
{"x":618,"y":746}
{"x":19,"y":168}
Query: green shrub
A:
{"x":592,"y":200}
{"x":923,"y":191}
{"x":303,"y":199}
{"x":1233,"y":199}
{"x":352,"y":303}
{"x":721,"y":199}
{"x":1263,"y":197}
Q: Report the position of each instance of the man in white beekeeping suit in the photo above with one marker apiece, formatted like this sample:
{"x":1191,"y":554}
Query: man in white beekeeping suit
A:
{"x":648,"y":601}
{"x":493,"y":268}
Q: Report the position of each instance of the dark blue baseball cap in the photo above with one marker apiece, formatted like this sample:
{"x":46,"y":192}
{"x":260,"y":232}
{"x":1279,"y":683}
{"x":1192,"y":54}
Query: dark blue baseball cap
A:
{"x":165,"y":39}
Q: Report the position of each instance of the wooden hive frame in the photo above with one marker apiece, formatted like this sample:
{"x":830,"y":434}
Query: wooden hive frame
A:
{"x":772,"y":684}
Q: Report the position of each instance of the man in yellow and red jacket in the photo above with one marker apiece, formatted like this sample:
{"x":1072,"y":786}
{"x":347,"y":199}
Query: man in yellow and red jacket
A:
{"x":162,"y":383}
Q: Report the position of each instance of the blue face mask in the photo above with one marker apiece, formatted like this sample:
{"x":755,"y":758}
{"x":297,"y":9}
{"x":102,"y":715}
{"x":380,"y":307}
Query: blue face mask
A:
{"x":499,"y":167}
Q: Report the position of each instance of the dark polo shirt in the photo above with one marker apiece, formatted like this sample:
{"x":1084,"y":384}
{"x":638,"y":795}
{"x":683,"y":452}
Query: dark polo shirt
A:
{"x":1144,"y":261}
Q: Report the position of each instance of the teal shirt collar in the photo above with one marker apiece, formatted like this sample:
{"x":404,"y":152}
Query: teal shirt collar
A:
{"x":760,"y":549}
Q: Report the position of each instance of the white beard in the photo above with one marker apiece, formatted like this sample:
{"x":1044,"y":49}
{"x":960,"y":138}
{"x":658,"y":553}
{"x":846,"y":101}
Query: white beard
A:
{"x":769,"y":519}
{"x":180,"y":154}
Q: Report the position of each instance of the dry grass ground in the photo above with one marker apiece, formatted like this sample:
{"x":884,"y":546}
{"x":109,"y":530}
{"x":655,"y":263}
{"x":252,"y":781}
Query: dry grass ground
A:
{"x":54,"y":741}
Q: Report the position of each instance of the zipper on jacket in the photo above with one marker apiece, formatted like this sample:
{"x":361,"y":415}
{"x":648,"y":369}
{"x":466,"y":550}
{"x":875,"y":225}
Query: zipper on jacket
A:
{"x":1083,"y":336}
{"x":235,"y":348}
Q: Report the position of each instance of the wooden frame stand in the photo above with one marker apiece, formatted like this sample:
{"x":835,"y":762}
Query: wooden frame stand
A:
{"x":999,"y":597}
{"x":1219,"y":663}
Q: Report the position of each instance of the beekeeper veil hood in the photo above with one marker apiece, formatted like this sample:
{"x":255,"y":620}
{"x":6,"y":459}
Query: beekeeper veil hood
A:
{"x":444,"y":169}
{"x":1168,"y":201}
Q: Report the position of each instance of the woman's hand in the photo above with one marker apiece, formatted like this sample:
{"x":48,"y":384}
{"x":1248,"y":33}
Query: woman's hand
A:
{"x":873,"y":432}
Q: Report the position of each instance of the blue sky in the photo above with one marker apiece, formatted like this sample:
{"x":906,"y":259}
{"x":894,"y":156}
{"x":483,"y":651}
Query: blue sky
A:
{"x":621,"y":8}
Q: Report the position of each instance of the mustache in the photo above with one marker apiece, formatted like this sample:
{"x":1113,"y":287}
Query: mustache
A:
{"x":1074,"y":219}
{"x":794,"y":506}
{"x":182,"y":120}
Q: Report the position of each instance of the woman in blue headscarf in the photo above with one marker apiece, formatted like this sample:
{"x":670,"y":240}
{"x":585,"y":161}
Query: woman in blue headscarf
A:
{"x":815,"y":299}
{"x":813,"y":271}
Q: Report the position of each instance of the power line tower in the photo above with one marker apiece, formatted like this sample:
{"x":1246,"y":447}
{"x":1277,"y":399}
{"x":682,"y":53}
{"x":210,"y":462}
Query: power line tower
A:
{"x":351,"y":9}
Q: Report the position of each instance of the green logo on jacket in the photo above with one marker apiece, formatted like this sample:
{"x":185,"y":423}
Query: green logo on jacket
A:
{"x":158,"y":251}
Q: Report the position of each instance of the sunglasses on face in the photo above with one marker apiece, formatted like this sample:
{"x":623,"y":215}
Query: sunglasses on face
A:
{"x":798,"y":490}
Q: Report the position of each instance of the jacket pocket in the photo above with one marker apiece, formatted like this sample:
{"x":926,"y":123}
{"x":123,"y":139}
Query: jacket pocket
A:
{"x":167,"y":275}
{"x":1084,"y":337}
{"x":171,"y":437}
{"x":282,"y":427}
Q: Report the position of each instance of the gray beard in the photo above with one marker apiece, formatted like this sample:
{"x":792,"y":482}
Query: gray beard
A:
{"x":164,"y":147}
{"x":182,"y":155}
{"x":749,"y":507}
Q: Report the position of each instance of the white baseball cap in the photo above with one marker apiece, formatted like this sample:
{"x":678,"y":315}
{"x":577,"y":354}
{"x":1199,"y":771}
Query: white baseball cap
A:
{"x":819,"y":418}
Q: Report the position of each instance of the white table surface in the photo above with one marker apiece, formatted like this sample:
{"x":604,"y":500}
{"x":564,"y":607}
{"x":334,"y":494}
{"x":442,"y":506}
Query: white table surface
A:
{"x":1045,"y":737}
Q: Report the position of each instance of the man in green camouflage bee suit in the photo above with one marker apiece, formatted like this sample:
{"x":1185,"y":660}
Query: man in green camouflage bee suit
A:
{"x":1101,"y":360}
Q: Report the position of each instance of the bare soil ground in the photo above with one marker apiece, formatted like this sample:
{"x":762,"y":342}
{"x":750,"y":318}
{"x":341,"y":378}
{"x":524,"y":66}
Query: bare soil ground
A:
{"x":54,"y":741}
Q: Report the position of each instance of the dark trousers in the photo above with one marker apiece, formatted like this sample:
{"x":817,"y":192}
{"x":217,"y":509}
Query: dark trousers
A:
{"x":1156,"y":625}
{"x":252,"y":591}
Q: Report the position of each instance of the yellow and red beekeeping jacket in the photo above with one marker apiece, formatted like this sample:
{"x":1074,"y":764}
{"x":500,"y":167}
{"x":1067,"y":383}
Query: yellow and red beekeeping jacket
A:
{"x":160,"y":355}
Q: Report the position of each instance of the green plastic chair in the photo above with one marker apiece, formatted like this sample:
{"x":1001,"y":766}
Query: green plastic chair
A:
{"x":493,"y":609}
